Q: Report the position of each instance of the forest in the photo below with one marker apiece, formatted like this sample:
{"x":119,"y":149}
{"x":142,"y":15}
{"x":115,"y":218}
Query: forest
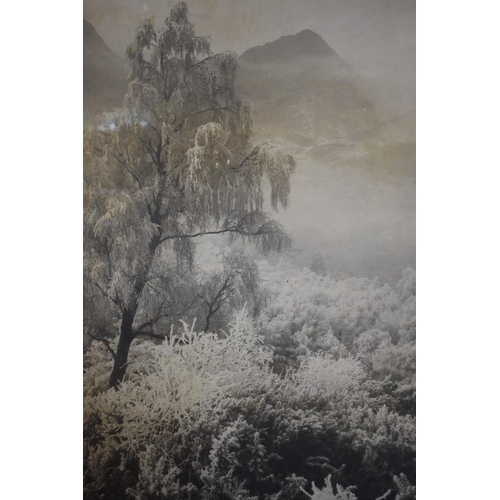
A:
{"x":217,"y":367}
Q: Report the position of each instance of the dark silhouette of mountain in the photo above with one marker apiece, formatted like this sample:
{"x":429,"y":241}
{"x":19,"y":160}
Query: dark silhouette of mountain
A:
{"x":104,"y":75}
{"x":289,"y":48}
{"x":303,"y":91}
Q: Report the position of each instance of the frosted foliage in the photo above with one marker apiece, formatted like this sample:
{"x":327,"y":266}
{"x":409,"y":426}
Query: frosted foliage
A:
{"x":223,"y":457}
{"x":189,"y":368}
{"x":327,"y":493}
{"x":368,"y":342}
{"x":320,"y":312}
{"x":204,"y":159}
{"x":97,"y":366}
{"x":210,"y":137}
{"x":245,"y":277}
{"x":232,"y":283}
{"x":141,"y":97}
{"x":324,"y":375}
{"x":406,"y":491}
{"x":278,"y":166}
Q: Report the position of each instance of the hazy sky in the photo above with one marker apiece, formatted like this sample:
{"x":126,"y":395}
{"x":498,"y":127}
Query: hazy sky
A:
{"x":377,"y":37}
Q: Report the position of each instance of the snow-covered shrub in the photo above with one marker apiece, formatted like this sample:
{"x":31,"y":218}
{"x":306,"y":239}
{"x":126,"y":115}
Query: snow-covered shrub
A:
{"x":327,"y":493}
{"x":322,"y":374}
{"x":405,"y":491}
{"x":149,"y":417}
{"x":309,"y":312}
{"x":203,"y":416}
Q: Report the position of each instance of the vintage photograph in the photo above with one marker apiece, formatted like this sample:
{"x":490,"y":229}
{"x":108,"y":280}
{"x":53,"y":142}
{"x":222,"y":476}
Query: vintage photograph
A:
{"x":249,"y":250}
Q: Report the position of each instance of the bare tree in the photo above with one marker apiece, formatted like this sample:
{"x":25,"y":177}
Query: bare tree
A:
{"x":236,"y":285}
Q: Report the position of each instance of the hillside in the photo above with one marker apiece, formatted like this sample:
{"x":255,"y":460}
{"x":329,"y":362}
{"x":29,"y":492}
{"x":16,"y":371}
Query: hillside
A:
{"x":303,"y":91}
{"x":104,"y":75}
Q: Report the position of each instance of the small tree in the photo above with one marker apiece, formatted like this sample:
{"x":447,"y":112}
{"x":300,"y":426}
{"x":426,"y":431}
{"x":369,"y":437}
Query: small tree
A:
{"x":174,"y":164}
{"x":318,"y":264}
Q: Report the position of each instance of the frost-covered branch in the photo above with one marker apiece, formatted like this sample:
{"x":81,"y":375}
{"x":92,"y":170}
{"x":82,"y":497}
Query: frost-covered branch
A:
{"x":150,"y":334}
{"x":211,"y":58}
{"x":251,"y":225}
{"x":101,"y":338}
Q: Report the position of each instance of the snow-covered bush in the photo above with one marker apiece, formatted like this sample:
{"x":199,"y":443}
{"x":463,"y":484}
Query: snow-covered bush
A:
{"x":359,"y":317}
{"x":149,"y":417}
{"x":327,"y":493}
{"x":209,"y":416}
{"x":203,"y":416}
{"x":319,"y":312}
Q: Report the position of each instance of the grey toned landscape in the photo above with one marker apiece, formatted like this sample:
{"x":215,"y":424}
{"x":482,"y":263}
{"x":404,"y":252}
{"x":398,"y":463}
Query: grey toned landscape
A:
{"x":249,"y":250}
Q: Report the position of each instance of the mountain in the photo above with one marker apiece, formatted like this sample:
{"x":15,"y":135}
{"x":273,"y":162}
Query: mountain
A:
{"x":305,"y":44}
{"x":104,"y":75}
{"x":302,"y":90}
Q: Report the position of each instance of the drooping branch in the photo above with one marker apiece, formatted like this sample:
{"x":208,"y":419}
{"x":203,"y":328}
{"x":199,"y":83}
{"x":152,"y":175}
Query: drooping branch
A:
{"x":252,"y":224}
{"x":196,"y":235}
{"x":251,"y":155}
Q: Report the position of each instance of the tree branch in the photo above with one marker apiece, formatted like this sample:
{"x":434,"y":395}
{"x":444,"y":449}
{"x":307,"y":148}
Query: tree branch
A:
{"x":123,"y":163}
{"x":235,"y":229}
{"x":242,"y":163}
{"x":106,"y":294}
{"x":102,"y":339}
{"x":221,"y":108}
{"x":150,"y":334}
{"x":173,"y":237}
{"x":208,"y":58}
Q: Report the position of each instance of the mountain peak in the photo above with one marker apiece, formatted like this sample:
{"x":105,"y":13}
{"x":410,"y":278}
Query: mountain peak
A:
{"x":309,"y":34}
{"x":306,"y":44}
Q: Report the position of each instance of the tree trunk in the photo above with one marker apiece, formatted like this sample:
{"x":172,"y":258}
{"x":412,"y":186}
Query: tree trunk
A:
{"x":124,"y":342}
{"x":126,"y":331}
